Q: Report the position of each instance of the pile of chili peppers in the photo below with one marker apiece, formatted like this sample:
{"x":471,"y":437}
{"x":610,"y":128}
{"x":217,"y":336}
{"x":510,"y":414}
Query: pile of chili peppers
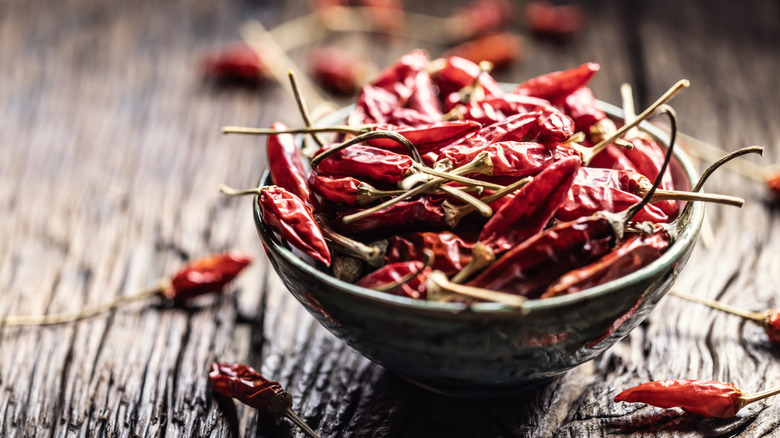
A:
{"x":513,"y":192}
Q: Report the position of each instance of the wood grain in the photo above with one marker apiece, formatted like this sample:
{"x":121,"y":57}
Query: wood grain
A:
{"x":109,"y":166}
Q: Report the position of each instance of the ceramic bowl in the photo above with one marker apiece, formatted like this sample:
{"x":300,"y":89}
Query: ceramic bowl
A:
{"x":486,"y":349}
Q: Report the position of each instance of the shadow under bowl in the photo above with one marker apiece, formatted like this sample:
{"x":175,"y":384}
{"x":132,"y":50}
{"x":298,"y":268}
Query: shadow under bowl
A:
{"x":487,"y":349}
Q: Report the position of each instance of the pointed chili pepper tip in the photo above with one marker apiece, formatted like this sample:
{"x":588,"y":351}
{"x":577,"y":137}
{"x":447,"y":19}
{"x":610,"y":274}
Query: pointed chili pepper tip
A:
{"x":206,"y":275}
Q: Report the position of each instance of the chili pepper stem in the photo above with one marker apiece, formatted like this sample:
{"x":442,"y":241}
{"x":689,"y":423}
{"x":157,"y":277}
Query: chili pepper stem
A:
{"x":403,"y":141}
{"x":302,"y":105}
{"x":480,"y":168}
{"x":757,"y":317}
{"x":230,"y":191}
{"x":590,"y":153}
{"x":745,"y":399}
{"x":679,"y":195}
{"x":439,"y":286}
{"x":86,"y":312}
{"x":454,"y":214}
{"x":482,"y":256}
{"x":370,"y":254}
{"x":368,"y":193}
{"x":728,"y":157}
{"x":629,"y":113}
{"x":292,"y":416}
{"x":307,"y":130}
{"x":468,"y":168}
{"x":459,"y":194}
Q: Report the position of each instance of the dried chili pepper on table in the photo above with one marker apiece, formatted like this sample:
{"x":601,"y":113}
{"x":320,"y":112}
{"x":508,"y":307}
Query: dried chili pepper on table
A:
{"x":703,"y":397}
{"x":206,"y":275}
{"x":339,"y":71}
{"x":562,"y":21}
{"x":499,"y":49}
{"x":236,"y":61}
{"x":287,"y":215}
{"x":248,"y":386}
{"x":478,"y":17}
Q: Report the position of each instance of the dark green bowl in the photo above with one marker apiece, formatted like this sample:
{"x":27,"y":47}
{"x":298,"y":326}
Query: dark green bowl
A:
{"x":488,"y":348}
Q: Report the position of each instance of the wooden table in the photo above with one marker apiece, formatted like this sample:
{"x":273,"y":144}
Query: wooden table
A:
{"x":110,"y":159}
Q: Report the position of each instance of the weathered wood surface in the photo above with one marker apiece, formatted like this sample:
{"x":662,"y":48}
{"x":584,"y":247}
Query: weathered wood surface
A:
{"x":109,"y":165}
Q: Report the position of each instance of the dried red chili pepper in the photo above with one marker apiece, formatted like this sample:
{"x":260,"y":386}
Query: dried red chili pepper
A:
{"x":499,"y":49}
{"x":557,"y":85}
{"x":420,"y":214}
{"x":206,"y":275}
{"x":555,"y":21}
{"x":495,"y":109}
{"x":586,"y":200}
{"x":580,"y":105}
{"x":248,"y":386}
{"x":772,"y":181}
{"x":367,"y":162}
{"x":286,"y":214}
{"x":235,"y":61}
{"x":339,"y":71}
{"x":430,"y":138}
{"x":399,"y":278}
{"x":478,"y":18}
{"x":451,"y":252}
{"x":531,"y":208}
{"x":702,"y":397}
{"x":343,"y":190}
{"x":529,"y":269}
{"x":286,"y":163}
{"x":647,"y":158}
{"x":629,"y":256}
{"x":452,"y":74}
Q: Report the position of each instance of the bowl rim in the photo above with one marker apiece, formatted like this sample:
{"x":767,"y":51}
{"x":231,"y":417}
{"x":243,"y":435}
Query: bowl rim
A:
{"x":685,"y":238}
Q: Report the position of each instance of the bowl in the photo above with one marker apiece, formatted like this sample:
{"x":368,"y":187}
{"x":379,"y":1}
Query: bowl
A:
{"x":486,"y":349}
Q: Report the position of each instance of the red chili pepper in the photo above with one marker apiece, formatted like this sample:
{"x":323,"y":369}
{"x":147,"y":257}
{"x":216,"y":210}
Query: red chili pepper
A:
{"x":519,"y":159}
{"x":702,"y":397}
{"x":393,"y":279}
{"x":248,"y":386}
{"x":629,"y":256}
{"x":530,"y":268}
{"x":479,"y":17}
{"x":338,"y":70}
{"x":286,"y":214}
{"x":419,"y":214}
{"x":343,"y":190}
{"x":496,"y":109}
{"x":367,"y":162}
{"x":625,"y":180}
{"x":555,"y":21}
{"x":500,"y":49}
{"x":233,"y":62}
{"x":451,"y":253}
{"x":423,"y":98}
{"x":586,"y":200}
{"x":772,"y":325}
{"x":206,"y":275}
{"x":580,"y":105}
{"x":286,"y":163}
{"x":557,"y":85}
{"x":452,"y":74}
{"x":428,"y":138}
{"x":531,"y":208}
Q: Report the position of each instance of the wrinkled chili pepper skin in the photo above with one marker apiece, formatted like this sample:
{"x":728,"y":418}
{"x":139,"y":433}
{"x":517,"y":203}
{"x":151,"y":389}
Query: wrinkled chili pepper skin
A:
{"x":530,"y":268}
{"x":702,"y":397}
{"x":368,"y":162}
{"x":420,"y":214}
{"x":629,"y":256}
{"x":206,"y":275}
{"x":580,"y":105}
{"x":455,"y":73}
{"x":586,"y":200}
{"x":430,"y":138}
{"x":772,"y":326}
{"x":520,"y":159}
{"x":286,"y":214}
{"x":342,"y":190}
{"x":556,"y":85}
{"x":495,"y":109}
{"x":286,"y":164}
{"x":451,"y":253}
{"x":531,"y":208}
{"x":499,"y":49}
{"x":395,"y":272}
{"x":248,"y":386}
